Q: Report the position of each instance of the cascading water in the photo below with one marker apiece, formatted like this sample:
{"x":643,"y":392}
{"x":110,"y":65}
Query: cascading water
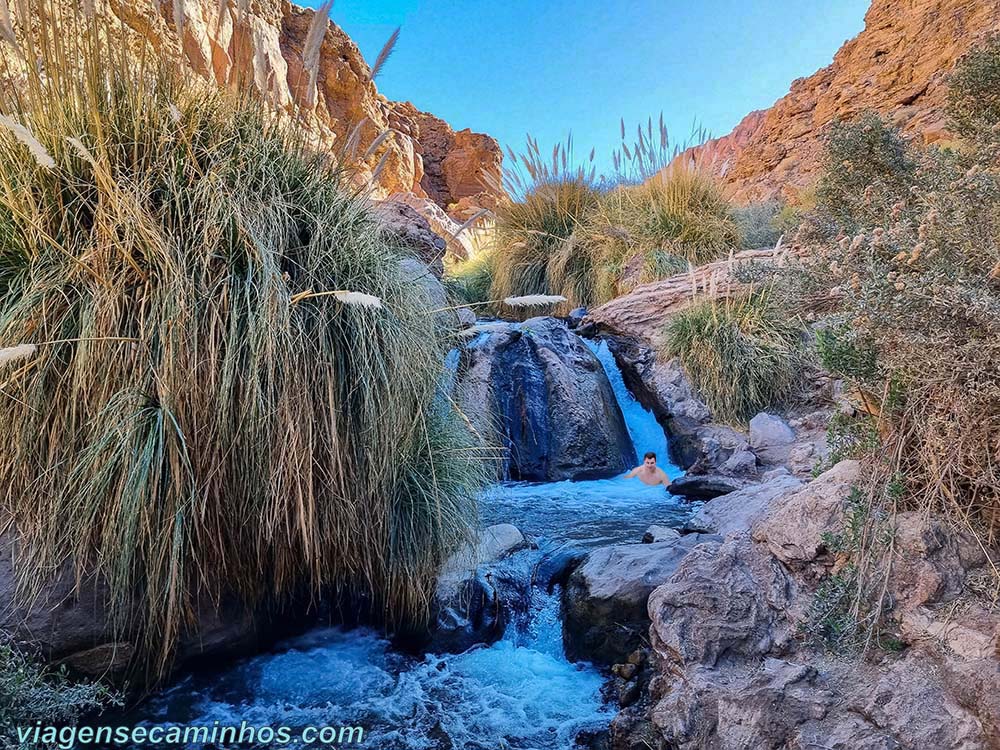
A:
{"x":520,"y":692}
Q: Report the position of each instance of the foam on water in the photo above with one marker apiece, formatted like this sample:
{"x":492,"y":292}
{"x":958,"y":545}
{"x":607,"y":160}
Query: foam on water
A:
{"x":518,"y":693}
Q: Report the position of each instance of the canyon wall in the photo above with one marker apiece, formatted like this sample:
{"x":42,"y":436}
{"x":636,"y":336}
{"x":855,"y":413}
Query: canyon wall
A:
{"x":260,"y":43}
{"x":897,"y":66}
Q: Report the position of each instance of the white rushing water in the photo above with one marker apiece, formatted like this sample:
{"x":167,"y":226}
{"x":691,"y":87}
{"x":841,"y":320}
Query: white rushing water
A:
{"x":520,"y":693}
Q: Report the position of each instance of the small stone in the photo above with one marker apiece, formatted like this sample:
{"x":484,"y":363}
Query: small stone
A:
{"x":625,"y":671}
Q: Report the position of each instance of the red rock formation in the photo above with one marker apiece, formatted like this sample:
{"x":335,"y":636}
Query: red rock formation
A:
{"x":262,"y":46}
{"x":897,"y":66}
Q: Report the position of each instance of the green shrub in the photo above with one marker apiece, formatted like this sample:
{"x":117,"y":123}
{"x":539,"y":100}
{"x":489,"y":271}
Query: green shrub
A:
{"x":30,"y":693}
{"x":759,"y":224}
{"x":867,"y":168}
{"x":642,"y":233}
{"x":469,"y":281}
{"x":233,"y":392}
{"x":742,"y":353}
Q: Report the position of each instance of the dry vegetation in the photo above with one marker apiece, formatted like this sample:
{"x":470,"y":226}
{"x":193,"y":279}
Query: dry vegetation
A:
{"x":900,"y":273}
{"x":568,"y":231}
{"x":231,"y":390}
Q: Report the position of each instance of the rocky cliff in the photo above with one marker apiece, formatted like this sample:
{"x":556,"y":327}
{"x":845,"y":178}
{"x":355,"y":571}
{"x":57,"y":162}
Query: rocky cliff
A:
{"x":897,"y":66}
{"x":260,"y":43}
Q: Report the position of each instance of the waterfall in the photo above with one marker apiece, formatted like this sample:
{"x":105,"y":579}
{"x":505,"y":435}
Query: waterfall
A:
{"x":645,"y":431}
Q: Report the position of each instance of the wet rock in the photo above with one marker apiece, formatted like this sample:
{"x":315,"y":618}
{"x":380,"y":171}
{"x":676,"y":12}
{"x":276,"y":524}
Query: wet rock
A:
{"x":660,"y":534}
{"x":797,"y":526}
{"x":605,"y":616}
{"x":576,"y":316}
{"x":479,"y":589}
{"x":705,"y":486}
{"x":536,"y":389}
{"x":771,"y":438}
{"x":737,"y":511}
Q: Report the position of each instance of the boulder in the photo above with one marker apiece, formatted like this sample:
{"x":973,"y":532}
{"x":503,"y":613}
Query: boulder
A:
{"x":432,"y":290}
{"x":459,"y":244}
{"x":69,"y":622}
{"x":660,"y":534}
{"x":798,"y":526}
{"x":724,"y":601}
{"x":736,"y":512}
{"x":537,"y":390}
{"x":415,"y":233}
{"x":605,"y":614}
{"x":771,"y":438}
{"x":705,"y":486}
{"x":478,"y":590}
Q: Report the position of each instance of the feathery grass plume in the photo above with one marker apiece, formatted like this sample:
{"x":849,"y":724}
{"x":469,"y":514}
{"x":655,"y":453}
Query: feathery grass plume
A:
{"x":82,"y":150}
{"x":236,"y":446}
{"x":358,"y":299}
{"x":472,"y":221}
{"x":534,"y":300}
{"x":25,"y":136}
{"x":384,"y":54}
{"x":312,"y":46}
{"x":14,"y":354}
{"x":179,"y":18}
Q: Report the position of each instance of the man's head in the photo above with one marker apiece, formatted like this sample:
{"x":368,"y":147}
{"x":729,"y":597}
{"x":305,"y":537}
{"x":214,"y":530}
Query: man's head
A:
{"x":649,"y":460}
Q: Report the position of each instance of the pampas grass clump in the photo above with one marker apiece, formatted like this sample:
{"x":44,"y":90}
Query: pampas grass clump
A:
{"x":234,"y":390}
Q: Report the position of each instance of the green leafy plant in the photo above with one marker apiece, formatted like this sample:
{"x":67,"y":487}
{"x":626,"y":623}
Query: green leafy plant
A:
{"x":31,"y":692}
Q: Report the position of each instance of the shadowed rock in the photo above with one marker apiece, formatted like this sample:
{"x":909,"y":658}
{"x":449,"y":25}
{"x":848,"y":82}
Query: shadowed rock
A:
{"x":537,"y":390}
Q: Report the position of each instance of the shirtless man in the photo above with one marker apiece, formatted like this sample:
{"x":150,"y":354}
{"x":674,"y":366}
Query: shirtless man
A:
{"x":649,"y":472}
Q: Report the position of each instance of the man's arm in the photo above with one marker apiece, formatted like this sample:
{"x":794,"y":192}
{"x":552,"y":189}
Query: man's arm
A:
{"x":664,"y":479}
{"x":634,"y":473}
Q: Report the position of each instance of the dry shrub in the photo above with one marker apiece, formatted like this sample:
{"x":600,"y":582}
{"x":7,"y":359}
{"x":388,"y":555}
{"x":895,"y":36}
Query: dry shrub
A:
{"x":907,"y":245}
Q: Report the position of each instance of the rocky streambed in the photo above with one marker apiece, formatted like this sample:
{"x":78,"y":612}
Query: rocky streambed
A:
{"x":494,"y":672}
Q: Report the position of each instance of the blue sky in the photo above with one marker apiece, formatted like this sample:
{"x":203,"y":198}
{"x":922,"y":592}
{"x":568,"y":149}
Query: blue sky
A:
{"x":551,"y":66}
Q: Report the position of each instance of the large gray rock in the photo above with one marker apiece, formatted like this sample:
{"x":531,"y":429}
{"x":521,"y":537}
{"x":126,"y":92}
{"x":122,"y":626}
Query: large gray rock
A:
{"x":737,"y":512}
{"x":478,"y":589}
{"x":798,"y":526}
{"x":69,"y":622}
{"x":605,"y":616}
{"x":431,"y":289}
{"x":771,"y":438}
{"x":537,"y":390}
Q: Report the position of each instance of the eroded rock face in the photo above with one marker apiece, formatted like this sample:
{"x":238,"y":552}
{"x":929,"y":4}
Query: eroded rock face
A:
{"x":263,"y":45}
{"x":537,"y":390}
{"x":731,"y":671}
{"x":897,"y":66}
